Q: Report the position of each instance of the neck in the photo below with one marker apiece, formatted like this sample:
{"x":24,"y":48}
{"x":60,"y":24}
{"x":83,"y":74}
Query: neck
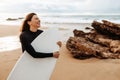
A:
{"x":33,"y":29}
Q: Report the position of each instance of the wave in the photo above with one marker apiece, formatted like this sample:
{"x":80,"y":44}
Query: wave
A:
{"x":64,"y":18}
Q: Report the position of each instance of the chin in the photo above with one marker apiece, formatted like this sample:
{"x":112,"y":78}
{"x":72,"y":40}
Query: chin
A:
{"x":38,"y":26}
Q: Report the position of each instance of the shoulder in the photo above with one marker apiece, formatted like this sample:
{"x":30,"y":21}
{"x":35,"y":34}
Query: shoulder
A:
{"x":23,"y":34}
{"x":40,"y":30}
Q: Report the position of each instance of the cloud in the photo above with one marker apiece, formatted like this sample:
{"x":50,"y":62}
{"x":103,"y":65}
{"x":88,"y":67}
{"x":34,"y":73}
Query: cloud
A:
{"x":80,"y":6}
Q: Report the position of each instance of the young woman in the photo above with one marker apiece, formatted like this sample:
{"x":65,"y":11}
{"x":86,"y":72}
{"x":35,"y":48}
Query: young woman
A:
{"x":29,"y":31}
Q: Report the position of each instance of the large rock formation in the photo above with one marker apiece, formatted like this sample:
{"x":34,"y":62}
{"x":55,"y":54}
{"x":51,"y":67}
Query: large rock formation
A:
{"x":102,"y":42}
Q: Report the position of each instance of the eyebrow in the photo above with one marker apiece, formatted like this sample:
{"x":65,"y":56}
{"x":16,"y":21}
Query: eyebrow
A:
{"x":36,"y":17}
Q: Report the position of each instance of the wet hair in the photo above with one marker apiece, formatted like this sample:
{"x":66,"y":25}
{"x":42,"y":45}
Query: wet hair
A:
{"x":25,"y":26}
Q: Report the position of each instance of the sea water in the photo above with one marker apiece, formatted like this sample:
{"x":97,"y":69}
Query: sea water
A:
{"x":60,"y":18}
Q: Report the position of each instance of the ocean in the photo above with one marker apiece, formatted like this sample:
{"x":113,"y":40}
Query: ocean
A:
{"x":60,"y":18}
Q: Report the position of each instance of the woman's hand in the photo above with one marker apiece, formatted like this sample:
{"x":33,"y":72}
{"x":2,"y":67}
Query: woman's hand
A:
{"x":59,"y":43}
{"x":56,"y":54}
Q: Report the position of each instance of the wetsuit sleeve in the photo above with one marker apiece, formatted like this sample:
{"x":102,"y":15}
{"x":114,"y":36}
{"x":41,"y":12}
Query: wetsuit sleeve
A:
{"x":29,"y":48}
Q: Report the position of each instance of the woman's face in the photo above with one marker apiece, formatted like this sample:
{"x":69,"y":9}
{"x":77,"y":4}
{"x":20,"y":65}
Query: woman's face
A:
{"x":35,"y":22}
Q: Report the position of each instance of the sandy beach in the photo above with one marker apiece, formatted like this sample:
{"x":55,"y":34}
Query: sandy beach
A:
{"x":66,"y":16}
{"x":8,"y":58}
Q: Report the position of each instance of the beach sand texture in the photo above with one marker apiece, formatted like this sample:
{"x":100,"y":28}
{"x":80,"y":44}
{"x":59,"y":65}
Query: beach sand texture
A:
{"x":69,"y":68}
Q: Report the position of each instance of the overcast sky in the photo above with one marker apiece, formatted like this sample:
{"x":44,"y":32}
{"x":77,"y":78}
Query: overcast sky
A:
{"x":60,"y":6}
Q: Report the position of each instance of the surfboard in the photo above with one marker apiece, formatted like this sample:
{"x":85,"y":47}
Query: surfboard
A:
{"x":29,"y":68}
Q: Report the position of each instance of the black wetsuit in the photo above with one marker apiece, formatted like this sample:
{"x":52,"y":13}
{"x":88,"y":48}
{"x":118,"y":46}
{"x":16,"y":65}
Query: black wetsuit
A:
{"x":26,"y":38}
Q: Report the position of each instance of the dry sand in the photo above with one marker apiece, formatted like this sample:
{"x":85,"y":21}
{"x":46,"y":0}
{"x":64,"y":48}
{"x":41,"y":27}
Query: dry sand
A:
{"x":69,"y":68}
{"x":7,"y":61}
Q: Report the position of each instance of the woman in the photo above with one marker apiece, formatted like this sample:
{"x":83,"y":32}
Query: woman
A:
{"x":29,"y":31}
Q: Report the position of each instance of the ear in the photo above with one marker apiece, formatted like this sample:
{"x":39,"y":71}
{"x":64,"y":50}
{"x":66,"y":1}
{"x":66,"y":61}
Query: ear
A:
{"x":29,"y":22}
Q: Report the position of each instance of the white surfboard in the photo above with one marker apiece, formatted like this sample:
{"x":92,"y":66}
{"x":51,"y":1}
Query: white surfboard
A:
{"x":29,"y":68}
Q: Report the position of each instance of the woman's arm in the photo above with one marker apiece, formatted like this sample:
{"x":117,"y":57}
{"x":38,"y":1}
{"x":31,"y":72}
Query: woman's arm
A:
{"x":29,"y":48}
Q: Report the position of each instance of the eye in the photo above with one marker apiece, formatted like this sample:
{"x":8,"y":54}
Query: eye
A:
{"x":37,"y":18}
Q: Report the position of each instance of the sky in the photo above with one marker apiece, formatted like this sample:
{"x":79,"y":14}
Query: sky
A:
{"x":60,"y":6}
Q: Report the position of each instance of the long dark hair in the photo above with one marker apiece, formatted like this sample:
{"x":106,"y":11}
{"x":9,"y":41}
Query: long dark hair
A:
{"x":25,"y":26}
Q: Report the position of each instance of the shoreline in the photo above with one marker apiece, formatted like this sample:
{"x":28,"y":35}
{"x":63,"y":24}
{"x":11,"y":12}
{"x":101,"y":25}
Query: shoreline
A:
{"x":8,"y":58}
